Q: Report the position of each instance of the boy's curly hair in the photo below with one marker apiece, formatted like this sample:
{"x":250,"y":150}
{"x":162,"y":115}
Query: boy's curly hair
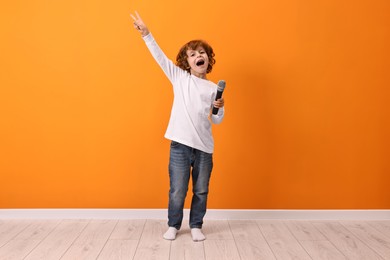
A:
{"x":181,"y":58}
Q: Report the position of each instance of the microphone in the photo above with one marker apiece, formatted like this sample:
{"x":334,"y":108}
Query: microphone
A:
{"x":221,"y":87}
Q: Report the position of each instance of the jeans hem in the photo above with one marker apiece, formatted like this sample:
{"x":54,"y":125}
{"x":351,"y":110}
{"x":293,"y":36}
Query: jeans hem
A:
{"x":195,"y":226}
{"x":178,"y":228}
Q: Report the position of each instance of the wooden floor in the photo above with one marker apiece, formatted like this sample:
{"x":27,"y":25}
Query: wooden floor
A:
{"x":233,"y":239}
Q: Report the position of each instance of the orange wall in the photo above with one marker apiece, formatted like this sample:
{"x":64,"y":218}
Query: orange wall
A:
{"x":84,"y":107}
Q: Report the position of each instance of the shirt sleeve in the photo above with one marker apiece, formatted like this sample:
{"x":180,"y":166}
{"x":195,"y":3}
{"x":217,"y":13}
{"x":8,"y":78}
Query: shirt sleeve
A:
{"x":217,"y":119}
{"x":170,"y":69}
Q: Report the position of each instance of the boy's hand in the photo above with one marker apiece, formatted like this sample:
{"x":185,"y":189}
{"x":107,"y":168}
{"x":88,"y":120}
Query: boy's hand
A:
{"x":219,"y":103}
{"x":139,"y":24}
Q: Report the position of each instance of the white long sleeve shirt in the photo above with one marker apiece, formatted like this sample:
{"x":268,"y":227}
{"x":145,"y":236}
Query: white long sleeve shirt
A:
{"x":189,"y":123}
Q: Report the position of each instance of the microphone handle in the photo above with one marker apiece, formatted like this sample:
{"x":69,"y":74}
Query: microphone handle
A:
{"x":218,"y":96}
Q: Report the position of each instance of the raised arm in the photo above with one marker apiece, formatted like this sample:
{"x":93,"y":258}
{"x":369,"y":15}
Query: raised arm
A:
{"x":169,"y":68}
{"x":139,"y":24}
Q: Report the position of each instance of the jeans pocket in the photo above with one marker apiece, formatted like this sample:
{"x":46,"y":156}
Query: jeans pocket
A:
{"x":174,"y":144}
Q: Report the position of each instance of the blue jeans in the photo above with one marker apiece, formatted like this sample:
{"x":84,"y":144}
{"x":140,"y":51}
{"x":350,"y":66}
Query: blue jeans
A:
{"x":181,"y":159}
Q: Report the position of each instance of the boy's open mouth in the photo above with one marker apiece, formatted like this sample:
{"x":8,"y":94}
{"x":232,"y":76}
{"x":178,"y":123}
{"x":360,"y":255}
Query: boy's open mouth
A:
{"x":199,"y":62}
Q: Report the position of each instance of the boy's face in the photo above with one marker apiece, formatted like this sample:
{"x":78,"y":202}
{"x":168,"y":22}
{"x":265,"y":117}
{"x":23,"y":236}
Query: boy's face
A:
{"x":198,"y":61}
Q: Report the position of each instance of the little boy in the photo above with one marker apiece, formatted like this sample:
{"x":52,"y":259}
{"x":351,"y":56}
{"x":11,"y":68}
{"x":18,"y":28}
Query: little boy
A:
{"x":189,"y":127}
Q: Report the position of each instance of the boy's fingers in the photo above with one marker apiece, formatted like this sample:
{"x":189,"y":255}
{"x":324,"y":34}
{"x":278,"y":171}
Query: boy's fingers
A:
{"x":139,"y":17}
{"x":132,"y":16}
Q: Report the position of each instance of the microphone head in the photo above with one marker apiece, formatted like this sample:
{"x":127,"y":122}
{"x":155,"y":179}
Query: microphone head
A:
{"x":221,"y":85}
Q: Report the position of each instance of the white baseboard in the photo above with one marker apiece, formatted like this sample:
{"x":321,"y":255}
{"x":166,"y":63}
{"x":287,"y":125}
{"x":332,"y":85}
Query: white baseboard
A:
{"x":230,"y":214}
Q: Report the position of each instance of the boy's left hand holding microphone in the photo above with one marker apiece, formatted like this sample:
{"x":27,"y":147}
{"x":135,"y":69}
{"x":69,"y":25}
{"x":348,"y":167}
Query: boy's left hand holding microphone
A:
{"x":139,"y":25}
{"x":219,"y":103}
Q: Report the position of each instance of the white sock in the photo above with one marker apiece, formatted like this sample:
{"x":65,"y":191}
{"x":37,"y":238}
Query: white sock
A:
{"x":170,"y":234}
{"x":197,"y":234}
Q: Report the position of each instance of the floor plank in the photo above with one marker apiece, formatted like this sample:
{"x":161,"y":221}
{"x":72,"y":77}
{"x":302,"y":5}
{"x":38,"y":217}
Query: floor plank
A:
{"x":11,"y":228}
{"x":281,"y":241}
{"x":313,"y":241}
{"x":91,"y":241}
{"x":382,"y":226}
{"x":124,"y":239}
{"x":217,"y":229}
{"x":17,"y":249}
{"x":57,"y":242}
{"x":118,"y":249}
{"x":38,"y":229}
{"x":152,"y":245}
{"x":304,"y":230}
{"x":322,"y":250}
{"x":220,"y":250}
{"x":249,"y":240}
{"x":370,"y":236}
{"x":130,"y":229}
{"x":183,"y":248}
{"x":23,"y":243}
{"x":345,"y":241}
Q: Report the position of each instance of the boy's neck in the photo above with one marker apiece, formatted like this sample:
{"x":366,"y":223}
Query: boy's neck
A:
{"x":199,"y":75}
